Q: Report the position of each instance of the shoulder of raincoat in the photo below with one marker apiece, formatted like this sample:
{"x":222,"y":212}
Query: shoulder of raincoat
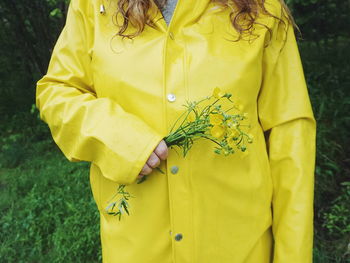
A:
{"x":103,"y":107}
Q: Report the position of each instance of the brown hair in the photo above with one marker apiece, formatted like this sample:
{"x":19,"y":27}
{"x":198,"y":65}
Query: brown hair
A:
{"x":136,"y":12}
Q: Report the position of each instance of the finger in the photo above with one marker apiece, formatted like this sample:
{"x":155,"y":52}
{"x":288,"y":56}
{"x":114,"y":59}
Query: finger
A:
{"x":153,"y":161}
{"x":162,"y":150}
{"x":146,"y":170}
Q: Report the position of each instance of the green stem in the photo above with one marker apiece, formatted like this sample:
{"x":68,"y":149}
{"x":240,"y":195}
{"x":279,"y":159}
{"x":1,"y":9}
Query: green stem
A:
{"x":211,"y":139}
{"x":160,"y":170}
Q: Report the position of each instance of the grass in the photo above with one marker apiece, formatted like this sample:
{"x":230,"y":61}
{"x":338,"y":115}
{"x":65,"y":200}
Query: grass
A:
{"x":48,"y":214}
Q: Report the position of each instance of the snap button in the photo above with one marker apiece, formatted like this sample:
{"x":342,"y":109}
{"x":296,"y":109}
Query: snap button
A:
{"x":102,"y":9}
{"x":171,"y":35}
{"x":174,"y":169}
{"x":178,"y":237}
{"x":171,"y":97}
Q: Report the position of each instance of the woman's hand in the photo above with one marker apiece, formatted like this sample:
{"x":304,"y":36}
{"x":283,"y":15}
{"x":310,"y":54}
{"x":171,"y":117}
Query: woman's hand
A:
{"x":159,"y":153}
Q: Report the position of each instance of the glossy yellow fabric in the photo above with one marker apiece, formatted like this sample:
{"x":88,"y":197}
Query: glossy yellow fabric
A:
{"x":105,"y":101}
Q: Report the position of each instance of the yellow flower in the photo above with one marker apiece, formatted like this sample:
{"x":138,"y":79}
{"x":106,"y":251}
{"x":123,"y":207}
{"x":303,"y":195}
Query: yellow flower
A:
{"x":217,"y":131}
{"x":216,"y":119}
{"x":232,"y":124}
{"x":234,"y":133}
{"x":217,"y":93}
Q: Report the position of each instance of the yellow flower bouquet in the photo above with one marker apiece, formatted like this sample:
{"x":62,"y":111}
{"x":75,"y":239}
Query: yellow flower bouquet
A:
{"x":211,"y":122}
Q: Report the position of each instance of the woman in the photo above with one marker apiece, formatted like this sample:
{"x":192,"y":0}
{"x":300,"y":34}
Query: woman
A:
{"x":111,"y":100}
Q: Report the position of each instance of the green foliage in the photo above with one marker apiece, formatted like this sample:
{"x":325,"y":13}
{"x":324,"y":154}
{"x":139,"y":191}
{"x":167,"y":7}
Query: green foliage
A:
{"x":321,"y":20}
{"x":56,"y":13}
{"x":48,"y":214}
{"x":21,"y":130}
{"x":337,"y":218}
{"x":27,"y":35}
{"x":326,"y":69}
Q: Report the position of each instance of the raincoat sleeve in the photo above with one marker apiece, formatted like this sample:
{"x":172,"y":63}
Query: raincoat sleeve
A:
{"x":286,"y":116}
{"x":86,"y":127}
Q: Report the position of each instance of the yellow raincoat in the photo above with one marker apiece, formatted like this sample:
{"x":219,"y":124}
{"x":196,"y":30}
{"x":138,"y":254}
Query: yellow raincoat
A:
{"x":110,"y":102}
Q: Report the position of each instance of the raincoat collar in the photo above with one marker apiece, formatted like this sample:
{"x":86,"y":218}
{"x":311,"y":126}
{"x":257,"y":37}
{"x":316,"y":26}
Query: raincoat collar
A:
{"x":186,"y":12}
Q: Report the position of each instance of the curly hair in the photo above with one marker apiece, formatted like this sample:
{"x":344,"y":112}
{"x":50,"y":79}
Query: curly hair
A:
{"x":243,"y":15}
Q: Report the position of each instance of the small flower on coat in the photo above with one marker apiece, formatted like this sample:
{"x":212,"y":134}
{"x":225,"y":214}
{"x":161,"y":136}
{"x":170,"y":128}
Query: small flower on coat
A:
{"x":217,"y":131}
{"x":250,"y":138}
{"x":217,"y":93}
{"x":216,"y":119}
{"x":232,"y":124}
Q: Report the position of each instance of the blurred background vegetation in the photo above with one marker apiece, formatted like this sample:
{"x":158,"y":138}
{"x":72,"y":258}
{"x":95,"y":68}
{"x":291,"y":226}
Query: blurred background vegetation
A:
{"x":47,"y":210}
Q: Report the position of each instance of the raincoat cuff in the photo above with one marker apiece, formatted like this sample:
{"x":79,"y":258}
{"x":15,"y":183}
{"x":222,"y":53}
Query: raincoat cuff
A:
{"x":143,"y":157}
{"x":109,"y":162}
